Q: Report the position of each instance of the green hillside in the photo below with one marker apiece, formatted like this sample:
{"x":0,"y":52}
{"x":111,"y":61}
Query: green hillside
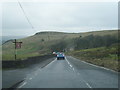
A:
{"x":42,"y":42}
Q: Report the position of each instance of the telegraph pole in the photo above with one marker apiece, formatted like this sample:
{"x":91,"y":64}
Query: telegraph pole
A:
{"x":17,"y":45}
{"x":15,"y":50}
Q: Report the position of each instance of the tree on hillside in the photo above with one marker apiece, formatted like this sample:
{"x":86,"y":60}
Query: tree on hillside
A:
{"x":109,"y":40}
{"x":92,"y":41}
{"x":60,"y":46}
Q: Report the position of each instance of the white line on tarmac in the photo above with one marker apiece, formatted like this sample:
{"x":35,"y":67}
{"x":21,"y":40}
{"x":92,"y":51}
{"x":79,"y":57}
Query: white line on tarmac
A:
{"x":22,"y":84}
{"x":86,"y":82}
{"x":73,"y":69}
{"x":35,"y":73}
{"x":67,"y":61}
{"x":51,"y":62}
{"x":98,"y":66}
{"x":30,"y":78}
{"x":79,"y":74}
{"x":94,"y":65}
{"x":70,"y":65}
{"x":88,"y":85}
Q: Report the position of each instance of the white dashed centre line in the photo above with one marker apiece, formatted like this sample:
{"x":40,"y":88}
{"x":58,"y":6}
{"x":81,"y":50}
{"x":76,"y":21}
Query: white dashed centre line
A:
{"x":30,"y":78}
{"x":88,"y":85}
{"x":70,"y":65}
{"x":73,"y":69}
{"x":78,"y":74}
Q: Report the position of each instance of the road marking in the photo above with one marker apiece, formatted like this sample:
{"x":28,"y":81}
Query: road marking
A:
{"x":99,"y":66}
{"x":85,"y":81}
{"x":40,"y":69}
{"x":73,"y":69}
{"x":80,"y":75}
{"x":70,"y":65}
{"x":94,"y":65}
{"x":88,"y":85}
{"x":30,"y":78}
{"x":67,"y":61}
{"x":22,"y":84}
{"x":52,"y":62}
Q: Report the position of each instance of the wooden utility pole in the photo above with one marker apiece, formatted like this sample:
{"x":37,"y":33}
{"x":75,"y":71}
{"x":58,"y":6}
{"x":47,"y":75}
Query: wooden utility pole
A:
{"x":17,"y":45}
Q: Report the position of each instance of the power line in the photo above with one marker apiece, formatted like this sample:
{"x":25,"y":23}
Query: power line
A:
{"x":25,"y":14}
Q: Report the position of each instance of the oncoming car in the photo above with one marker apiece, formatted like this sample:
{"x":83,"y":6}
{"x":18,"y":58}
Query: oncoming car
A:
{"x":60,"y":56}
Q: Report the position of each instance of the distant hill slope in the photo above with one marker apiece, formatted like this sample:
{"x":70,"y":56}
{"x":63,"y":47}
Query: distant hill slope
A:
{"x":41,"y":42}
{"x":7,"y":38}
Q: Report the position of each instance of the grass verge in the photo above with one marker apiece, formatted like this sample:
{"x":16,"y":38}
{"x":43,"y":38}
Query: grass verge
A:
{"x":103,"y":56}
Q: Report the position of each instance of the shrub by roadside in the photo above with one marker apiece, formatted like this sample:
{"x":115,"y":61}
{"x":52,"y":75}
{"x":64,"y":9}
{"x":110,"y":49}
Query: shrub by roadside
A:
{"x":103,"y":56}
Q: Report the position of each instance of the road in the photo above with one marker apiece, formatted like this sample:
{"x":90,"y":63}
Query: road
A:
{"x":12,"y":76}
{"x":71,"y":73}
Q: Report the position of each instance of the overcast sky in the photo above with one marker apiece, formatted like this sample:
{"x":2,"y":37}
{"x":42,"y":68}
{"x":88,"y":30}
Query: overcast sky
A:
{"x":59,"y":16}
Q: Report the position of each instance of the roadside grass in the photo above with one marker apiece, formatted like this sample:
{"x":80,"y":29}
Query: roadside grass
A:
{"x":103,"y":56}
{"x":19,"y":56}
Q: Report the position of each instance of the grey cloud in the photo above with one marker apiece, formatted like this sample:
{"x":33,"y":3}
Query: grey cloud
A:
{"x":60,"y":16}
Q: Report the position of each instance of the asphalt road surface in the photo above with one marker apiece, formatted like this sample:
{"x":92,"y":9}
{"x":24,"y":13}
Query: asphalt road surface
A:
{"x":71,"y":73}
{"x":11,"y":77}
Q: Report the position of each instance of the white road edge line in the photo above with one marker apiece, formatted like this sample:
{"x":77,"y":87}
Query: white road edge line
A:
{"x":22,"y":84}
{"x":98,"y":66}
{"x":46,"y":66}
{"x":95,"y":65}
{"x":51,"y":62}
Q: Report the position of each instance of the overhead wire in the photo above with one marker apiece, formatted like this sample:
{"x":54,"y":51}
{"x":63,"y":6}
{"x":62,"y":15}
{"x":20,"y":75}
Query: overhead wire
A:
{"x":25,"y":15}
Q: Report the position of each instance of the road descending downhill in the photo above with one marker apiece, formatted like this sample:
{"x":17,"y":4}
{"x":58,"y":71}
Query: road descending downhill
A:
{"x":71,"y":73}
